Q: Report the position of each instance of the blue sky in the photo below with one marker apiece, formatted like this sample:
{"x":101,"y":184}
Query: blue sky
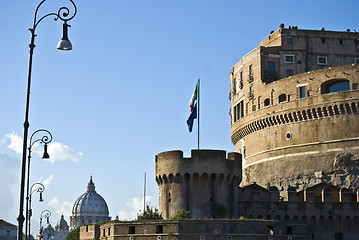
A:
{"x":121,"y":95}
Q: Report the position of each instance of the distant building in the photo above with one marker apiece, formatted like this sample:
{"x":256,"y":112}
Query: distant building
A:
{"x":89,"y":208}
{"x":58,"y":233}
{"x":8,"y":231}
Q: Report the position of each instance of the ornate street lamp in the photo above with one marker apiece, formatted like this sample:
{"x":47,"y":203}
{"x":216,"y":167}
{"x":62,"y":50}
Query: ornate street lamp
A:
{"x":64,"y":14}
{"x":36,"y":187}
{"x":45,"y":140}
{"x":44,"y":214}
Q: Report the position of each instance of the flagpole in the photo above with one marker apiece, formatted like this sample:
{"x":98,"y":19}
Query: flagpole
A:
{"x":198,"y":110}
{"x":144,"y":195}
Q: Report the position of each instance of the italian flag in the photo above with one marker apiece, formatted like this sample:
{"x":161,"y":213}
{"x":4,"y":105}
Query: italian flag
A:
{"x":193,"y":98}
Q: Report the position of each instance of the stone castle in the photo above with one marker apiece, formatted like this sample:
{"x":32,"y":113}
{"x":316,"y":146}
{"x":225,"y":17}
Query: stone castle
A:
{"x":294,"y":172}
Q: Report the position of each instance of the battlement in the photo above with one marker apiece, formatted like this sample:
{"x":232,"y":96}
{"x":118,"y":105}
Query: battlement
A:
{"x":200,"y":162}
{"x":206,"y":184}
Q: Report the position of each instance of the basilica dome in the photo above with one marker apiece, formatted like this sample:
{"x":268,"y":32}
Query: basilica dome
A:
{"x":89,"y":207}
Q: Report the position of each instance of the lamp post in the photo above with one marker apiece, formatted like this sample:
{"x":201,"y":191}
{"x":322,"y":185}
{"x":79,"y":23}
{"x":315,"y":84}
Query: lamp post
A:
{"x":64,"y":14}
{"x":36,"y":187}
{"x":47,"y":214}
{"x":45,"y":140}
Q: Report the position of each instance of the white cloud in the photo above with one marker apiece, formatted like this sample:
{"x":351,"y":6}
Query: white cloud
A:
{"x":123,"y":215}
{"x":135,"y":205}
{"x":15,"y":142}
{"x":61,"y":152}
{"x":56,"y":150}
{"x":63,"y":208}
{"x":47,"y":181}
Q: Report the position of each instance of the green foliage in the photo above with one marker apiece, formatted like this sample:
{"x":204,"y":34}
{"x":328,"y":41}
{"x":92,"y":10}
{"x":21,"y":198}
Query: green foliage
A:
{"x":150,"y":213}
{"x":74,"y":235}
{"x":181,"y":214}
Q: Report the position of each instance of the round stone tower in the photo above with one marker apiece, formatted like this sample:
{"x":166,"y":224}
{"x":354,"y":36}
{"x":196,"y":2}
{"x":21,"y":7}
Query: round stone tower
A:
{"x":206,"y":184}
{"x":295,"y":112}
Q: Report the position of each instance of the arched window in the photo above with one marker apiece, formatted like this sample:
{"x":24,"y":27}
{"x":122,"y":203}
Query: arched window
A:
{"x":335,"y":85}
{"x":266,"y":102}
{"x":282,"y":98}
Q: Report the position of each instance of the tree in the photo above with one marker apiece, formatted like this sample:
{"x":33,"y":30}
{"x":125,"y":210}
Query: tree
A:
{"x":74,"y":235}
{"x":150,"y":213}
{"x":181,"y":214}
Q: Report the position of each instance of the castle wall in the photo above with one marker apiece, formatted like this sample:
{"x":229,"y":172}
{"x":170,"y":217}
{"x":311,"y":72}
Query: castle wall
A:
{"x":327,"y":210}
{"x":202,"y":230}
{"x":205,"y":184}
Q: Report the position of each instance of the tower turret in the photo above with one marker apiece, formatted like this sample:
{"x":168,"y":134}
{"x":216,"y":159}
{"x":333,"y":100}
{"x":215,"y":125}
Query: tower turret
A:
{"x":206,"y":184}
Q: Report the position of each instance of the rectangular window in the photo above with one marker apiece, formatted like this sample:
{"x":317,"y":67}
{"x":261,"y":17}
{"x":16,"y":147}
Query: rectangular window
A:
{"x":159,"y":228}
{"x":290,"y":41}
{"x":288,"y":72}
{"x":301,"y":92}
{"x":259,"y":102}
{"x":289,"y":58}
{"x":131,"y":230}
{"x":250,"y":70}
{"x":338,"y":236}
{"x":322,"y":60}
{"x":241,"y":80}
{"x":354,"y":86}
{"x":356,"y":60}
{"x":324,"y":40}
{"x":238,"y":111}
{"x":340,"y":41}
{"x":7,"y":232}
{"x":271,"y":67}
{"x":241,"y":109}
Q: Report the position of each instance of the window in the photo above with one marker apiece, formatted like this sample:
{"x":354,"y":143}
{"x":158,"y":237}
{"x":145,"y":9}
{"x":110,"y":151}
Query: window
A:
{"x":288,"y":72}
{"x":322,"y":60}
{"x":271,"y":67}
{"x":131,"y":230}
{"x":338,"y":236}
{"x":159,"y":228}
{"x":356,"y":42}
{"x":324,"y":40}
{"x":266,"y":102}
{"x":234,"y":86}
{"x":302,"y":92}
{"x":289,"y":58}
{"x":290,"y":41}
{"x":336,"y":85}
{"x":282,"y":98}
{"x":241,"y":80}
{"x":356,"y":60}
{"x":8,"y":232}
{"x":354,"y":86}
{"x":250,"y":74}
{"x":340,"y":41}
{"x":259,"y":102}
{"x":238,"y":111}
